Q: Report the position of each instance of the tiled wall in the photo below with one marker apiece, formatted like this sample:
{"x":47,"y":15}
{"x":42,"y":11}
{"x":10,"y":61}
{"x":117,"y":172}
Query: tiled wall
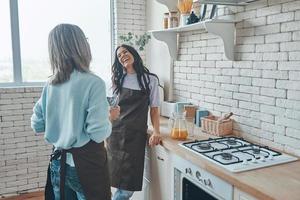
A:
{"x":130,"y":16}
{"x":23,"y":155}
{"x":262,"y":87}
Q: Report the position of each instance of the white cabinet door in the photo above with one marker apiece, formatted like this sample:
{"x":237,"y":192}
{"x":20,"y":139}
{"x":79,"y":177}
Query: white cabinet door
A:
{"x":160,"y":171}
{"x":240,"y":195}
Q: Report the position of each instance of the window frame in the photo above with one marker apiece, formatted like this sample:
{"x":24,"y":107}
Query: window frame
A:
{"x":16,"y":48}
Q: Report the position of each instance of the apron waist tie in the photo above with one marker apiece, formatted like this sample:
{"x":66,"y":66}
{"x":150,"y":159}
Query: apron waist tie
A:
{"x":54,"y":156}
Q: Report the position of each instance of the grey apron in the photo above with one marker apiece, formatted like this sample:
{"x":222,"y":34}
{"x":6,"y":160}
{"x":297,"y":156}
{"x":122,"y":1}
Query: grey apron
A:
{"x":92,"y":169}
{"x":126,"y":145}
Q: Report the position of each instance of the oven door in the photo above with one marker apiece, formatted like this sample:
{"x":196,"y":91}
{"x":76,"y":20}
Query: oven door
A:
{"x":192,"y":191}
{"x":186,"y":188}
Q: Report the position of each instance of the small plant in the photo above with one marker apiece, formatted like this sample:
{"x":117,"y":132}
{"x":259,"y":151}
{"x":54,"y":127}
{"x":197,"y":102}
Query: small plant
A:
{"x":139,"y":41}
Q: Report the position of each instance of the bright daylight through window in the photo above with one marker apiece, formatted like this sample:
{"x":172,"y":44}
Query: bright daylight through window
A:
{"x":6,"y":62}
{"x":92,"y":16}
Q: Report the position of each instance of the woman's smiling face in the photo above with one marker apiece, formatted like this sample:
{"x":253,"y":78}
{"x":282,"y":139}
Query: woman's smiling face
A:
{"x":125,"y":58}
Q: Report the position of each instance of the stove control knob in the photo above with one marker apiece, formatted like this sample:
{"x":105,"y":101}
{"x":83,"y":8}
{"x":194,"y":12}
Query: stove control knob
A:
{"x":207,"y":182}
{"x":198,"y":175}
{"x":270,"y":157}
{"x":188,"y":171}
{"x":262,"y":159}
{"x":245,"y":162}
{"x":254,"y":160}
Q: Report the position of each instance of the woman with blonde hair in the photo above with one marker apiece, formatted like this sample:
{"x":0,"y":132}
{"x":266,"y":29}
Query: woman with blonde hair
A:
{"x":74,"y":114}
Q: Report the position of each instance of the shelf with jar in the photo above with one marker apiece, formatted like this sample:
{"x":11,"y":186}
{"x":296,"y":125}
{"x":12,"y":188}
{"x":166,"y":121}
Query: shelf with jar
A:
{"x":174,"y":25}
{"x":172,"y":4}
{"x":227,"y":2}
{"x":223,"y":28}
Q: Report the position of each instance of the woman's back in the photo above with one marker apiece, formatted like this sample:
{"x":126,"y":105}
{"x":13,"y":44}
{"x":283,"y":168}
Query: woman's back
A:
{"x":75,"y":111}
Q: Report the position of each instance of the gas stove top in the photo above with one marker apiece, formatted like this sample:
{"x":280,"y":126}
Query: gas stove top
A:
{"x":236,"y":154}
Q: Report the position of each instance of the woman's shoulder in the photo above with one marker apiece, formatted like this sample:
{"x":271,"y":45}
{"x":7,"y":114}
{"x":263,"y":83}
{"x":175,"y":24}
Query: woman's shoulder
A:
{"x":91,"y":77}
{"x":153,"y":78}
{"x":89,"y":81}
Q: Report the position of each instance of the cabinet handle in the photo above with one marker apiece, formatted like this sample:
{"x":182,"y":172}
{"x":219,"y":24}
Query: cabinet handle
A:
{"x":159,"y":158}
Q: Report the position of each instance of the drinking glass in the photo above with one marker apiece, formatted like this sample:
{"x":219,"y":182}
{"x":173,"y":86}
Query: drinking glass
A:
{"x":113,"y":100}
{"x":190,"y":125}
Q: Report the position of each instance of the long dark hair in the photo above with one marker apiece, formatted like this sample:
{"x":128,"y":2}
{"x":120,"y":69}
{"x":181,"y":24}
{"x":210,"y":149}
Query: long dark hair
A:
{"x":68,"y":50}
{"x":141,"y":71}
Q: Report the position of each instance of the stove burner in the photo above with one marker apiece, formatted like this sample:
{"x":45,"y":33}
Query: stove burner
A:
{"x":231,"y":142}
{"x":236,"y":154}
{"x":256,"y":150}
{"x":204,"y":146}
{"x":226,"y":156}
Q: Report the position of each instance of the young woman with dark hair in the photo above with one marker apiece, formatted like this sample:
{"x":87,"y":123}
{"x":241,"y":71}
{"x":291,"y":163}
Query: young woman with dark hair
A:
{"x":74,"y":114}
{"x":137,"y":90}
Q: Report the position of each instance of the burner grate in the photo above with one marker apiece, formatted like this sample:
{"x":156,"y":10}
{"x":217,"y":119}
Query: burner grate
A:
{"x":236,"y":154}
{"x":225,"y":158}
{"x":204,"y":146}
{"x":231,"y":142}
{"x":229,"y":150}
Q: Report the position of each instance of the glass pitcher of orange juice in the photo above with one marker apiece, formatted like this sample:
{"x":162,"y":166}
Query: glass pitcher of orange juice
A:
{"x":178,"y":126}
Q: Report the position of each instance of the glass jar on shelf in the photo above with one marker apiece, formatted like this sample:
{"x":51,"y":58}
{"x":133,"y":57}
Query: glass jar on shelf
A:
{"x":166,"y":20}
{"x":173,"y":19}
{"x":196,"y":8}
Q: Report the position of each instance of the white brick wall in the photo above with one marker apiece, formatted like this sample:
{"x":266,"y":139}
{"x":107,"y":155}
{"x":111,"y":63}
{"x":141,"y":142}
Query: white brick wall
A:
{"x":262,"y":87}
{"x":23,"y":155}
{"x":129,"y":16}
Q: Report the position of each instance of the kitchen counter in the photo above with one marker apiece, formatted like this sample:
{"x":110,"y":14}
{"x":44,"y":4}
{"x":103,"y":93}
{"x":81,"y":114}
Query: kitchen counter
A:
{"x":280,"y":182}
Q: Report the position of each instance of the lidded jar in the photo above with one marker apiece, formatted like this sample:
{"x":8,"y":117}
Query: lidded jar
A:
{"x":173,"y":19}
{"x":166,"y":20}
{"x":178,"y":126}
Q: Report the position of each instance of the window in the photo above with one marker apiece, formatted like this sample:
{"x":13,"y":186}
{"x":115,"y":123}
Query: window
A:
{"x":6,"y":62}
{"x":92,"y":16}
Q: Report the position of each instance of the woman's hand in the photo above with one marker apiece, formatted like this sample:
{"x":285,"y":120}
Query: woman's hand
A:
{"x":114,"y":113}
{"x":155,"y":139}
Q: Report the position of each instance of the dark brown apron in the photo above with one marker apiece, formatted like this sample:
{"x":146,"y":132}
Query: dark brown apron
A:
{"x":126,"y":145}
{"x":92,"y":169}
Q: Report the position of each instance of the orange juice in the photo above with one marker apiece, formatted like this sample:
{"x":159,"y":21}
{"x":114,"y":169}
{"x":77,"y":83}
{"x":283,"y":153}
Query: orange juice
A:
{"x":179,"y":134}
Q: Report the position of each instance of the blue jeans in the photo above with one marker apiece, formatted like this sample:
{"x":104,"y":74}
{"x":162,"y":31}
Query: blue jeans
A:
{"x":73,"y":189}
{"x":122,"y":194}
